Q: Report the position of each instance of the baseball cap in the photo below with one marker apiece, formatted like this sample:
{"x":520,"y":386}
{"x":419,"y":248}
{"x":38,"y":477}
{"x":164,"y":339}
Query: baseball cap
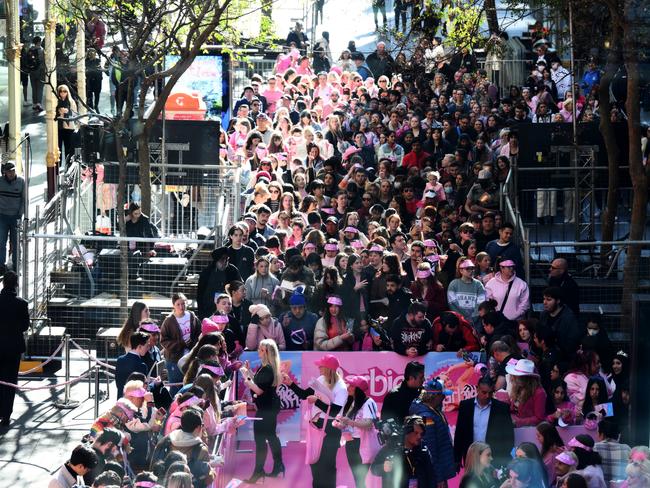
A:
{"x":436,"y":386}
{"x":328,"y":361}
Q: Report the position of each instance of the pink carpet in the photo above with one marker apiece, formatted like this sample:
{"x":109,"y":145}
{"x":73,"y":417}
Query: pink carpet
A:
{"x":298,"y":475}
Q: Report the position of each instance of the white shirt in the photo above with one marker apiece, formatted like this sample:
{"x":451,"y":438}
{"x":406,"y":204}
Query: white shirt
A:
{"x":184,"y":325}
{"x":367,"y":412}
{"x":337,"y":396}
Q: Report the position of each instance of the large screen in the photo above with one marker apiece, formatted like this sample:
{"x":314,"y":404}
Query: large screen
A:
{"x":208,"y":76}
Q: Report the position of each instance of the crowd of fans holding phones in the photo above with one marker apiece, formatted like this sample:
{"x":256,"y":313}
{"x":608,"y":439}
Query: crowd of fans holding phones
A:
{"x":372,"y":223}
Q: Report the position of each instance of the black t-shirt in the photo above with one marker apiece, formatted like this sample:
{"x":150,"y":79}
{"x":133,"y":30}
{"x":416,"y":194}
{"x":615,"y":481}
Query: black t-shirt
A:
{"x":243,"y":259}
{"x":269,"y":399}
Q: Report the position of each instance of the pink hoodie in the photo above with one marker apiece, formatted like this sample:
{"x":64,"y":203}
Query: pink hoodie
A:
{"x":518,"y":299}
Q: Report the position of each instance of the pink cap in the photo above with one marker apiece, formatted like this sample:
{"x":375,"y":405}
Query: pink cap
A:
{"x":309,"y":245}
{"x":377,"y":248}
{"x":423,"y":273}
{"x":350,"y":151}
{"x":430,"y":243}
{"x":357,"y":244}
{"x":351,"y":229}
{"x":208,"y":326}
{"x":145,"y":484}
{"x":576,"y":443}
{"x":328,"y":361}
{"x":150,"y":327}
{"x":466,"y":264}
{"x":137,"y":393}
{"x":565,"y":458}
{"x":328,"y":210}
{"x":263,"y":174}
{"x":213,"y":369}
{"x":358,"y":382}
{"x":508,"y":263}
{"x":334,"y":300}
{"x":478,"y":367}
{"x":331,"y":247}
{"x":432,"y":258}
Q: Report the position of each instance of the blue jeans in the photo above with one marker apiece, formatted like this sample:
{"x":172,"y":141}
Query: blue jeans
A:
{"x":9,"y":229}
{"x":174,"y":375}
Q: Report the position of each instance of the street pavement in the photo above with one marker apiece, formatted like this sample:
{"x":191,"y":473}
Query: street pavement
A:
{"x":41,"y":436}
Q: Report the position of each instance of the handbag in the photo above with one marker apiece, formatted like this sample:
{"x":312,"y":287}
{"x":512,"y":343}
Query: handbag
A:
{"x":369,"y":441}
{"x":315,"y":437}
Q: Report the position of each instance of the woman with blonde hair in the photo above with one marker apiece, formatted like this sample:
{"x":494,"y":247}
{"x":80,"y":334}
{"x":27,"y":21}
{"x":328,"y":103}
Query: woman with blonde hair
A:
{"x":263,"y":385}
{"x":327,"y":398}
{"x":66,"y":108}
{"x":527,"y":396}
{"x":478,"y":467}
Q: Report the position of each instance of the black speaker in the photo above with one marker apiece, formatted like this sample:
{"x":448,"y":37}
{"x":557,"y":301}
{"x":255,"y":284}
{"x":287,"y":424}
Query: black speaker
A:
{"x":92,"y":141}
{"x":640,"y":372}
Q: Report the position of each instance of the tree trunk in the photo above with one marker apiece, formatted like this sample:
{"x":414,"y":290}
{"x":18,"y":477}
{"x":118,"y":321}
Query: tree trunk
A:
{"x":121,"y":200}
{"x":609,"y":137}
{"x":145,"y":171}
{"x":267,"y":8}
{"x":491,"y":14}
{"x":638,"y":173}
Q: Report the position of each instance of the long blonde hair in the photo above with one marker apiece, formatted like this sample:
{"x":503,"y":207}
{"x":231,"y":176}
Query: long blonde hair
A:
{"x":473,"y":458}
{"x":272,"y":359}
{"x":331,"y":377}
{"x":523,"y":388}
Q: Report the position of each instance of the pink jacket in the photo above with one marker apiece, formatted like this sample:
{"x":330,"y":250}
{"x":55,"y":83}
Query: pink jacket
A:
{"x":533,"y":411}
{"x":518,"y":299}
{"x":256,"y":334}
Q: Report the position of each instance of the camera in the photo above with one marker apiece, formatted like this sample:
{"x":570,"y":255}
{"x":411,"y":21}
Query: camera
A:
{"x":389,"y":432}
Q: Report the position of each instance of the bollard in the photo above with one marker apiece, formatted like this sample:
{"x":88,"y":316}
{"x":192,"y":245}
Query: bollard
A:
{"x":66,"y":403}
{"x":97,"y":392}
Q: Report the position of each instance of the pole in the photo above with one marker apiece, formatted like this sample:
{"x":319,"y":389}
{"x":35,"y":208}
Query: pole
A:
{"x":97,"y":392}
{"x":573,"y":78}
{"x":13,"y":50}
{"x":66,"y":404}
{"x":80,"y":48}
{"x":37,"y":223}
{"x":25,"y":223}
{"x":52,"y":155}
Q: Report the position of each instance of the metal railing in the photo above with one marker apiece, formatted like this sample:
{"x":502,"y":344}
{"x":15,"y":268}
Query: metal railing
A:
{"x":89,"y":287}
{"x":508,"y":206}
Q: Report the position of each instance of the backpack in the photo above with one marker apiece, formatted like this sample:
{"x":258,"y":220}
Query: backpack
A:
{"x":32,"y":59}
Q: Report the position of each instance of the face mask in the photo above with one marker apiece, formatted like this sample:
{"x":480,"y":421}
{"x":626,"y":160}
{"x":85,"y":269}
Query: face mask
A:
{"x":592,"y":332}
{"x":448,"y":189}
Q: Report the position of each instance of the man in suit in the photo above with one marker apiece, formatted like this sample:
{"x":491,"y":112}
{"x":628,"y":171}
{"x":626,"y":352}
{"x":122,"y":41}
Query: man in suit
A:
{"x":14,"y":321}
{"x":132,"y":361}
{"x":486,"y":420}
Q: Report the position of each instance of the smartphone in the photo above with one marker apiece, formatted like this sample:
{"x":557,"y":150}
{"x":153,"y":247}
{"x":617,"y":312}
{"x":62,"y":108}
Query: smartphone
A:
{"x":373,"y":332}
{"x":349,"y":325}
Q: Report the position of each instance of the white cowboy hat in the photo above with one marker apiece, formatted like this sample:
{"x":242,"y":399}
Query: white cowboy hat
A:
{"x":523,"y":367}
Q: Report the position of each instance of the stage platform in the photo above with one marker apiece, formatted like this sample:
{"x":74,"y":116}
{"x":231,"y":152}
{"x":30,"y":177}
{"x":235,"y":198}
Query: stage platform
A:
{"x":85,"y":317}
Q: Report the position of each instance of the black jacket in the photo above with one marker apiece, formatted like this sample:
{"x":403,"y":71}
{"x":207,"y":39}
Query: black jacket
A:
{"x":418,"y":461}
{"x":570,"y":291}
{"x":211,"y":281}
{"x":568,"y":332}
{"x":14,"y":321}
{"x":397,"y":403}
{"x":128,"y":363}
{"x":500,"y":431}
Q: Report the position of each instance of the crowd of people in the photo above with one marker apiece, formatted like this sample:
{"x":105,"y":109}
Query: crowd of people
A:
{"x":372,"y":223}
